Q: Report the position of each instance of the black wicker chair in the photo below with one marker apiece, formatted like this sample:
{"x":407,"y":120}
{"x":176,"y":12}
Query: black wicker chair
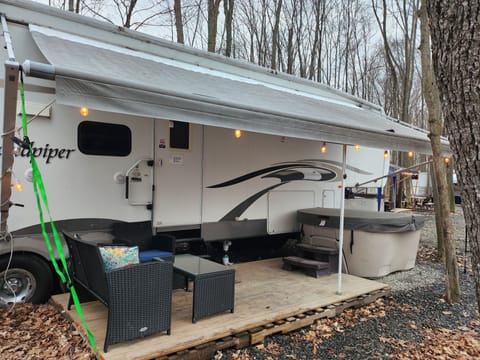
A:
{"x":138,"y":297}
{"x":140,"y":234}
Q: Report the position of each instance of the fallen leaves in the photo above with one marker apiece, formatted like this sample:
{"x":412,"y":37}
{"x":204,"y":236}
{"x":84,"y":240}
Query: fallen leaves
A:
{"x":39,"y":332}
{"x":461,"y":343}
{"x":439,"y":344}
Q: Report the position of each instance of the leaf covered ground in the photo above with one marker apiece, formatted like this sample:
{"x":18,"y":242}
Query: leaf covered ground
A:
{"x":411,"y":324}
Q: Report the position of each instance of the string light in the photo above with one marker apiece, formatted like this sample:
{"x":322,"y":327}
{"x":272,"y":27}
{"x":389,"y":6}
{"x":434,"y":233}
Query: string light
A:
{"x":385,"y":154}
{"x":323,"y":149}
{"x":357,"y":147}
{"x":238,"y":133}
{"x":410,"y":154}
{"x":84,"y":111}
{"x":18,"y":186}
{"x":447,"y":160}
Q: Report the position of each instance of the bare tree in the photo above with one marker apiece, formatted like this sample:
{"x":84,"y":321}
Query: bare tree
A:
{"x":275,"y":34}
{"x":213,"y":6}
{"x":432,"y":99}
{"x":400,"y":59}
{"x":456,"y":55}
{"x":177,"y":9}
{"x":228,"y":6}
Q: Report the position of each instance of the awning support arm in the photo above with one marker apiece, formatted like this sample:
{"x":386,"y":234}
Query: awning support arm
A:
{"x":342,"y":219}
{"x":9,"y":118}
{"x":394,"y":173}
{"x":7,"y":38}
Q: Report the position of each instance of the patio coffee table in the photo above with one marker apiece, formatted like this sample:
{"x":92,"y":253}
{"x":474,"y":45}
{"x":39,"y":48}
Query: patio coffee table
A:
{"x":213,"y":284}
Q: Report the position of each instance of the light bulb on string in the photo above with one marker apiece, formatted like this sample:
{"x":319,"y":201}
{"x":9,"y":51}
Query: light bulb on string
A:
{"x":18,"y":186}
{"x":410,"y":154}
{"x":84,"y":111}
{"x":357,"y":147}
{"x":385,"y":154}
{"x":238,"y":133}
{"x":323,"y":149}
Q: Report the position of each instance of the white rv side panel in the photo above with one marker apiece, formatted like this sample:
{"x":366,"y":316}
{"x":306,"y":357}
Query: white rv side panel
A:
{"x":178,"y":179}
{"x":79,"y":186}
{"x":283,"y":207}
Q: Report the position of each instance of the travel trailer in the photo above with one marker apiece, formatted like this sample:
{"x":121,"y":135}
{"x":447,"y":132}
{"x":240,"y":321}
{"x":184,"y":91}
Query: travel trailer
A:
{"x":126,"y":127}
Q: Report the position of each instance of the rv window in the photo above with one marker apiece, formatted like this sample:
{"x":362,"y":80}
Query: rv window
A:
{"x":95,"y":138}
{"x":179,"y":135}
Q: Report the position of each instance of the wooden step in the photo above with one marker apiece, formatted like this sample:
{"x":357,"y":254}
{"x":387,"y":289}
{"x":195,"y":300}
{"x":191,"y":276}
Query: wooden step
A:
{"x":313,"y":268}
{"x":317,"y":249}
{"x":319,"y":253}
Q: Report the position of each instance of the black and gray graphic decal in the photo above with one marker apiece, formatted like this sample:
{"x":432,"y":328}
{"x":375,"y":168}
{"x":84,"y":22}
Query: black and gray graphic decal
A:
{"x":286,"y":172}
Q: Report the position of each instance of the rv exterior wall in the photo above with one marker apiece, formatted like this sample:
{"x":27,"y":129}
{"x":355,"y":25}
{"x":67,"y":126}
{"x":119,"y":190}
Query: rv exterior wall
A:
{"x":218,"y":180}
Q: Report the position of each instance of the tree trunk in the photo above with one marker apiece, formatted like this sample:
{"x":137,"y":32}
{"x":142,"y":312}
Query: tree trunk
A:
{"x":438,"y":219}
{"x":432,"y":99}
{"x":275,"y":35}
{"x":228,"y":6}
{"x":456,"y":55}
{"x":213,"y":6}
{"x":177,"y":9}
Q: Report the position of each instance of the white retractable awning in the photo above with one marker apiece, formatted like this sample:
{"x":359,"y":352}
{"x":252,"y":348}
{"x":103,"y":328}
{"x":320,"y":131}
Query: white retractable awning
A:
{"x":122,"y":80}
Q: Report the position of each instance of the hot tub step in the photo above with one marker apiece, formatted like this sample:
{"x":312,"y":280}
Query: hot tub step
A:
{"x":319,"y":253}
{"x":310,"y":267}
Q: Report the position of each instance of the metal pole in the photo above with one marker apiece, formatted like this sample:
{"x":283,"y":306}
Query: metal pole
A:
{"x":394,"y":173}
{"x":342,"y":218}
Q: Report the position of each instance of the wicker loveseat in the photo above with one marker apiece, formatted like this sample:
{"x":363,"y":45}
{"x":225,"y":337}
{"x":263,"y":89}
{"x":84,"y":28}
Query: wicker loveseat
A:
{"x":138,"y":297}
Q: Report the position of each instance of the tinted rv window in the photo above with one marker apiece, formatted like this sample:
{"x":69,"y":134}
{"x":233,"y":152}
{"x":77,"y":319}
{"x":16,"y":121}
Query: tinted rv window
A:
{"x":179,"y":135}
{"x":95,"y":138}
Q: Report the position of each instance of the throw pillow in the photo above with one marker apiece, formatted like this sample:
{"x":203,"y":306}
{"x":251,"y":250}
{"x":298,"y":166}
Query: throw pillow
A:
{"x":115,"y":257}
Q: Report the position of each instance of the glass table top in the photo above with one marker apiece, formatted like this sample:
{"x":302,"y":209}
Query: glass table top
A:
{"x":196,"y":265}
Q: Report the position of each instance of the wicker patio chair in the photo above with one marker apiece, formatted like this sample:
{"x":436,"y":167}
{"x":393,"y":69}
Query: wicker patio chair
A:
{"x":138,"y":297}
{"x":150,"y":245}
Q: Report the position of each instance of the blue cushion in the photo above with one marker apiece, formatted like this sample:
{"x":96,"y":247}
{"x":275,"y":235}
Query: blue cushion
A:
{"x":148,"y":255}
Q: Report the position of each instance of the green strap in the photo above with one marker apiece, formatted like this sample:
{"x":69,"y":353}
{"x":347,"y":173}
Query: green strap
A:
{"x":42,"y":204}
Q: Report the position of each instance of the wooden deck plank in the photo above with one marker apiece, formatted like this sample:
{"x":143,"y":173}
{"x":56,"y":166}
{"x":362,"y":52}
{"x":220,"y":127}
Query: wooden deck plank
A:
{"x":264,"y":293}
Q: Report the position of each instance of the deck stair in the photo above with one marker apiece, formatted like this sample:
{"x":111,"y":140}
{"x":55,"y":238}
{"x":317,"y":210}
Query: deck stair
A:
{"x":313,"y":260}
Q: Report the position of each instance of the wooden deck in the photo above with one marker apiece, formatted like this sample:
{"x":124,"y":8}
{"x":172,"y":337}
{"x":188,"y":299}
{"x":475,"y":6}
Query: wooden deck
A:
{"x":268,"y":300}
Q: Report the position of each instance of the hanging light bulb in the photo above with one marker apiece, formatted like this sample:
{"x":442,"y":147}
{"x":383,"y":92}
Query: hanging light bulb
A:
{"x":385,"y":154}
{"x":447,"y":160}
{"x":84,"y":111}
{"x":238,"y":133}
{"x":18,"y":186}
{"x":410,"y":154}
{"x":357,"y":147}
{"x":323,"y":149}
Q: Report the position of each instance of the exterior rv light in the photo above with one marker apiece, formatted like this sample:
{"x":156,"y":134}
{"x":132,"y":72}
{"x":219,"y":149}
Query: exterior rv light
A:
{"x":357,"y":147}
{"x":238,"y":133}
{"x":18,"y":186}
{"x":410,"y":154}
{"x":385,"y":154}
{"x":84,"y":111}
{"x":323,"y":149}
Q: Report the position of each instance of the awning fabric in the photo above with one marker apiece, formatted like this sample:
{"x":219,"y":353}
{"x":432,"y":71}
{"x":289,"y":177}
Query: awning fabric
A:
{"x":122,"y":80}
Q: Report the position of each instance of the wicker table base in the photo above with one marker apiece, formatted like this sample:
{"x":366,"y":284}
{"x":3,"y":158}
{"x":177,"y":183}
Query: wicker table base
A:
{"x":213,"y":285}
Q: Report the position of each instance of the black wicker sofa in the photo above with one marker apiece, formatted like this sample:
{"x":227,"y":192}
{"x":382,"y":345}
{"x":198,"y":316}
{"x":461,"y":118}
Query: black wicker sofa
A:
{"x":138,"y":297}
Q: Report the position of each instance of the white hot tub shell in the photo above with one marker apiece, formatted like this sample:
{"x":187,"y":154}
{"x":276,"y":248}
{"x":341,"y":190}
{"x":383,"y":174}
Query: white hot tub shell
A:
{"x":374,"y":243}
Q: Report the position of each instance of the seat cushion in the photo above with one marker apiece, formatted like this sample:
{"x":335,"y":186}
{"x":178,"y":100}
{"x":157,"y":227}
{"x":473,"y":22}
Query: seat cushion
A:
{"x":148,"y":255}
{"x":115,"y":257}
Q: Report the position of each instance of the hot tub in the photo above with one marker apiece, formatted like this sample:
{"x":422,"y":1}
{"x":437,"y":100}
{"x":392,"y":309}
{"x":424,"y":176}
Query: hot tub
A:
{"x":374,"y":243}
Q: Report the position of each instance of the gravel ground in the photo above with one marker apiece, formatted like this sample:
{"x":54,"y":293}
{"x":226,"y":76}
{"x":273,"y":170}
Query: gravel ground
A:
{"x":414,"y":323}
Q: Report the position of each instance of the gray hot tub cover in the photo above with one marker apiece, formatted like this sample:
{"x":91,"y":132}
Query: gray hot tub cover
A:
{"x":369,"y":221}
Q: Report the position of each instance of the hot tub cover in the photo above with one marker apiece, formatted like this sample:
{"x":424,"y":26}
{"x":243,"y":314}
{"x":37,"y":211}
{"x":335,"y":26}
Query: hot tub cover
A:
{"x":369,"y":221}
